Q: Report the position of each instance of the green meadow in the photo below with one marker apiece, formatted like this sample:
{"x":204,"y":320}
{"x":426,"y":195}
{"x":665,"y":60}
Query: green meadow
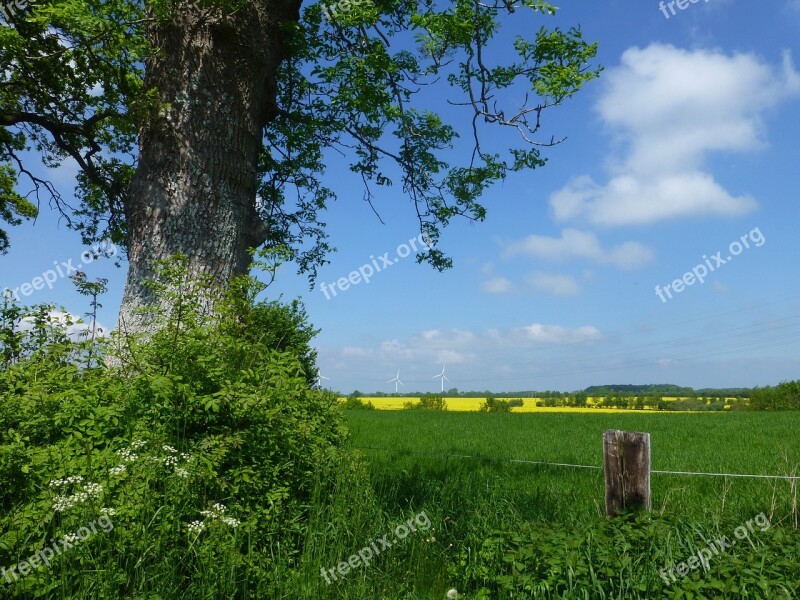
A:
{"x":518,"y":530}
{"x":215,"y":470}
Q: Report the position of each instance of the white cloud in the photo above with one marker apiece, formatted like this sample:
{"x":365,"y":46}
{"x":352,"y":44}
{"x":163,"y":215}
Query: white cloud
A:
{"x":577,"y":244}
{"x":77,"y":331}
{"x":458,"y":346}
{"x":497,"y":285}
{"x":556,"y":334}
{"x":558,"y":285}
{"x":720,"y":287}
{"x":670,"y":108}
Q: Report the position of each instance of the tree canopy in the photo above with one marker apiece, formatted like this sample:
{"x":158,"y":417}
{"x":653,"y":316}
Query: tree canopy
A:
{"x":356,"y":77}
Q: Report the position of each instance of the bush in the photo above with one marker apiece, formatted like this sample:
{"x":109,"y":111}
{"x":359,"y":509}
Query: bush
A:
{"x":205,"y":450}
{"x":353,"y":402}
{"x":427,"y":402}
{"x":784,"y":396}
{"x":495,"y":405}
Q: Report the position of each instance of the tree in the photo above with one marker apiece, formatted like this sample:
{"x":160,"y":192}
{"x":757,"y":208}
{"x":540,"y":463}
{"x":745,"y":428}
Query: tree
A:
{"x":495,"y":405}
{"x":201,"y":127}
{"x":427,"y":402}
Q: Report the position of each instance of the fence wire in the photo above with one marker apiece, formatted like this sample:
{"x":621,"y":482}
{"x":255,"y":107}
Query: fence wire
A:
{"x":569,"y":465}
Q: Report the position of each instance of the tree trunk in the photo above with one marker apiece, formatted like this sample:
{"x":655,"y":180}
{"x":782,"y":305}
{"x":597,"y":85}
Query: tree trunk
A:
{"x":194,"y":190}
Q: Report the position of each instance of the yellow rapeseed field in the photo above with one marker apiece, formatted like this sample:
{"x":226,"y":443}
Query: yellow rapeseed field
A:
{"x":474,"y":404}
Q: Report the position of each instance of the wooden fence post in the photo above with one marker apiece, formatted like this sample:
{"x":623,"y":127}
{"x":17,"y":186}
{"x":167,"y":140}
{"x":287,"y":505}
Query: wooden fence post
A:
{"x":626,"y":464}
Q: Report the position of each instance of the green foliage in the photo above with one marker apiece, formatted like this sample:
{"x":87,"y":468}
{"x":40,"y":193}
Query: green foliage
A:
{"x":428,"y":402}
{"x":496,"y":405}
{"x":784,"y":396}
{"x":353,"y":402}
{"x":212,"y":420}
{"x":621,"y":558}
{"x":356,"y":78}
{"x":38,"y":335}
{"x":73,"y":90}
{"x":663,"y":389}
{"x":13,"y":207}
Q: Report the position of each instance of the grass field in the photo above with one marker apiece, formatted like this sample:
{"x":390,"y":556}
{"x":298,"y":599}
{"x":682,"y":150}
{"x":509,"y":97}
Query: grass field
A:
{"x":745,"y":442}
{"x":517,"y":530}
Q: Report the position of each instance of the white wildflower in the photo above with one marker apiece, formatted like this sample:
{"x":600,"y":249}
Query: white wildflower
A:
{"x":169,"y":449}
{"x":196,"y":526}
{"x":66,"y":481}
{"x":118,"y":470}
{"x":63,"y":503}
{"x":93,"y":489}
{"x":127,"y":455}
{"x":231,"y":522}
{"x":138,"y":444}
{"x":181,"y":473}
{"x":108,"y":511}
{"x":90,"y":490}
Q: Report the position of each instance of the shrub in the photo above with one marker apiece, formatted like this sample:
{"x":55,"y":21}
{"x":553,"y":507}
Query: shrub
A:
{"x":205,"y":450}
{"x":427,"y":402}
{"x":784,"y":396}
{"x":353,"y":402}
{"x":495,"y":405}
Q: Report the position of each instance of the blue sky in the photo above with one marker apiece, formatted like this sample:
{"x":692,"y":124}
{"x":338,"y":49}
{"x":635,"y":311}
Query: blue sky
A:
{"x":685,"y":149}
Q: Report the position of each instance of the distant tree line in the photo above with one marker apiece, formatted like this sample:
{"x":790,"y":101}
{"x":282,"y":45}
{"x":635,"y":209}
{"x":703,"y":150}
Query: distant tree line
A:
{"x":784,"y":396}
{"x":595,"y":391}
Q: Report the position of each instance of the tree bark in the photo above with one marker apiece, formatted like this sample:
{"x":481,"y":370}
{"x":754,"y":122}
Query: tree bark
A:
{"x":194,"y":189}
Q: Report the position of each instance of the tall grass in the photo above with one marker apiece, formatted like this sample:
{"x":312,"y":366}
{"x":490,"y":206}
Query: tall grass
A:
{"x":515,"y":530}
{"x":738,"y":443}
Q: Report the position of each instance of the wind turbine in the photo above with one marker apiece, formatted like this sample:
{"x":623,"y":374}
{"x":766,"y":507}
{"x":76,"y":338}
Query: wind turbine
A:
{"x":396,"y":381}
{"x":443,"y":376}
{"x":320,"y":377}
